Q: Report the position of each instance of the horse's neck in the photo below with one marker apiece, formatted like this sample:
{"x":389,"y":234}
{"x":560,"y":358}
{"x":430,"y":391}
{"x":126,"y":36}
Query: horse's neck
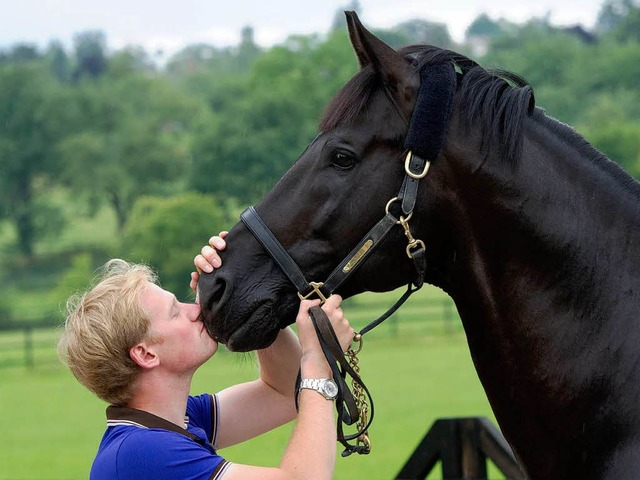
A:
{"x":548,"y":270}
{"x":557,"y":222}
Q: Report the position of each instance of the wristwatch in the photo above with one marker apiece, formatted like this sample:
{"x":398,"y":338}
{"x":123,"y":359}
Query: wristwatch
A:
{"x":325,"y":386}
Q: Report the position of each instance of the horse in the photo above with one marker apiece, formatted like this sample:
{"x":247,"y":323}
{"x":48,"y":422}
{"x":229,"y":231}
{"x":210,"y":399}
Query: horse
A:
{"x":533,"y":233}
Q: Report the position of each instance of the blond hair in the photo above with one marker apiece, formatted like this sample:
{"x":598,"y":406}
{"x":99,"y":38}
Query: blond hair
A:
{"x":102,"y":325}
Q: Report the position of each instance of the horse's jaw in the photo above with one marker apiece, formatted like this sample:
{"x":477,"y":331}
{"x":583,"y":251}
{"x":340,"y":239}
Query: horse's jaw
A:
{"x":242,"y":315}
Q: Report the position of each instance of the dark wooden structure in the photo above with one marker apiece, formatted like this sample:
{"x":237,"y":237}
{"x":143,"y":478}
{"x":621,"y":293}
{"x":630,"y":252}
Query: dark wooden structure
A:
{"x":463,"y":445}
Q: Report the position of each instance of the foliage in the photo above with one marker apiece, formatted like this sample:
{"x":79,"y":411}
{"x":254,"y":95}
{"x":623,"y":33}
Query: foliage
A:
{"x":107,"y":127}
{"x":32,"y":116}
{"x":483,"y":25}
{"x":132,"y":139}
{"x":168,"y":232}
{"x":261,"y":125}
{"x":77,"y":277}
{"x":91,"y":56}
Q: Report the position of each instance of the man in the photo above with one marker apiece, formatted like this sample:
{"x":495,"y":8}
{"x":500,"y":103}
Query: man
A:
{"x":136,"y":347}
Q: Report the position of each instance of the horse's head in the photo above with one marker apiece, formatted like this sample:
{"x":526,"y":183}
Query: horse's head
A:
{"x":335,"y":192}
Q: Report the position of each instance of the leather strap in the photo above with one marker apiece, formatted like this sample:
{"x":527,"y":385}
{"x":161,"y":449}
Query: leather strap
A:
{"x":271,"y":244}
{"x":348,"y":413}
{"x":375,"y":236}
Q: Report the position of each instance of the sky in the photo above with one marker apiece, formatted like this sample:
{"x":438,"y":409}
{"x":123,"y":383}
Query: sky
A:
{"x":170,"y":25}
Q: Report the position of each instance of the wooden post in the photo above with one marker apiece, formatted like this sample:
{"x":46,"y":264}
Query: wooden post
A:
{"x":28,"y":346}
{"x":463,"y":446}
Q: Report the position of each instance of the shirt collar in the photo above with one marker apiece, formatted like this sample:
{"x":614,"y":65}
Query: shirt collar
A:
{"x":140,"y":418}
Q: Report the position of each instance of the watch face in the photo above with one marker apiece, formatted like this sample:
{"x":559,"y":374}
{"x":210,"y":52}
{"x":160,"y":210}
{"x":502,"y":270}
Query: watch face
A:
{"x":330,"y":388}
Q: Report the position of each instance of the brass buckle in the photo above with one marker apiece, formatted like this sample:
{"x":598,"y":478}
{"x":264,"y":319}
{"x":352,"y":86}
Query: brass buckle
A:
{"x":316,"y":289}
{"x":408,"y":171}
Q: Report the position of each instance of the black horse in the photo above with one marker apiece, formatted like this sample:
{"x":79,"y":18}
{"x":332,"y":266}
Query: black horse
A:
{"x":532,"y":232}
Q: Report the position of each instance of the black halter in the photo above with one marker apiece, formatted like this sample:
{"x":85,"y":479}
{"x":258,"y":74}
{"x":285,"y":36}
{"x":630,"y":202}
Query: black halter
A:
{"x":440,"y":78}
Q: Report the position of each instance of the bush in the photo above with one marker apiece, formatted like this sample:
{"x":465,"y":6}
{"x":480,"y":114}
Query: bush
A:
{"x":167,"y":233}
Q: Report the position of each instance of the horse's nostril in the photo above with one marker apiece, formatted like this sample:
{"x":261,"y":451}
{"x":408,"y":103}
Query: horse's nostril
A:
{"x":217,"y":294}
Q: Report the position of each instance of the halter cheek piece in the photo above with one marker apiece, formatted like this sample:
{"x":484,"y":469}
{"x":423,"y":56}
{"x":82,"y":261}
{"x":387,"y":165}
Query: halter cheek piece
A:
{"x":431,"y":114}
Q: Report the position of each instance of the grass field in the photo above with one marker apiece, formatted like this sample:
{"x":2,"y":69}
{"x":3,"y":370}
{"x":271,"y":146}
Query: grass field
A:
{"x":51,"y":426}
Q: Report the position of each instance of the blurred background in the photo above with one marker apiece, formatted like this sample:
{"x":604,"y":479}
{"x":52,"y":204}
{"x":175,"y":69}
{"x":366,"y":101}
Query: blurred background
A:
{"x":137,"y":130}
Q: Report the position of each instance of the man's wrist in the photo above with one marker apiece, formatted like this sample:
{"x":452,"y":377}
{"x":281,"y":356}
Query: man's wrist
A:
{"x":313,"y":365}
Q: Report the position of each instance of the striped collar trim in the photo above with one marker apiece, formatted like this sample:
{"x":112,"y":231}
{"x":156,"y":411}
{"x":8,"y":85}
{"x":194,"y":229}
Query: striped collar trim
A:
{"x":124,"y":416}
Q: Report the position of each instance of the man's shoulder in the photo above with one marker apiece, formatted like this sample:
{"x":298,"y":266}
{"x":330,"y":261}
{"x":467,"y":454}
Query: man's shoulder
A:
{"x":127,"y":449}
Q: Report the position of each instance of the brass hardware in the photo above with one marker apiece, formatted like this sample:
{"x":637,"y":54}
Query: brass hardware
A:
{"x":358,"y":256}
{"x":412,"y":242}
{"x":357,"y":338}
{"x":408,"y":171}
{"x":316,"y":289}
{"x":386,"y":209}
{"x":411,"y":246}
{"x":359,"y":396}
{"x":364,"y":440}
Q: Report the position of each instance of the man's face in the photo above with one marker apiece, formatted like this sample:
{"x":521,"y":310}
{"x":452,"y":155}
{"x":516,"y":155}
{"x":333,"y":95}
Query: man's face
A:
{"x":182,"y":342}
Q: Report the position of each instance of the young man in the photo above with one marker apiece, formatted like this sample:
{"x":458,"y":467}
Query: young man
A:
{"x":136,"y":347}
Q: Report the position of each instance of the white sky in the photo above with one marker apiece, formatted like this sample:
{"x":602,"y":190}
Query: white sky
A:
{"x":169,"y":25}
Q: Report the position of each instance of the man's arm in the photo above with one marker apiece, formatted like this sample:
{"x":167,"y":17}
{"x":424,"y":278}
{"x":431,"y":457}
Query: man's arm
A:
{"x":311,"y":453}
{"x":255,"y":407}
{"x":252,"y":408}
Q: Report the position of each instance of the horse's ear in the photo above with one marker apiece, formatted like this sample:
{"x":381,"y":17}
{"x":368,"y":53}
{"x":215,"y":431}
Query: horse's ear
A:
{"x":396,"y":72}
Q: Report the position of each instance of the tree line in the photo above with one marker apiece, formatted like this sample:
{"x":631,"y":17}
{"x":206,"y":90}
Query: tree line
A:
{"x":216,"y":127}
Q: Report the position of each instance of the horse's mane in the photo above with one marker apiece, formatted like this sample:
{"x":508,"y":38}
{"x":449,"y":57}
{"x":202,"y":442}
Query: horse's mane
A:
{"x":591,"y":154}
{"x":497,"y":100}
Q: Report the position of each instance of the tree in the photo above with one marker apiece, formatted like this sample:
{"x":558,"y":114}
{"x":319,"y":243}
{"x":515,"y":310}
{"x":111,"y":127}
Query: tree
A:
{"x":422,"y":31}
{"x":20,"y":53}
{"x":261,"y":123}
{"x":166,"y":233}
{"x":612,"y":14}
{"x":32,"y":116}
{"x":483,"y":26}
{"x":628,"y":29}
{"x":134,"y":140}
{"x":91,"y":54}
{"x":58,"y":60}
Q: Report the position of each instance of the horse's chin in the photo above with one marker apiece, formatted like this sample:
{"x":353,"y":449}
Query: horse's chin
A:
{"x":243,"y":340}
{"x":258,"y":331}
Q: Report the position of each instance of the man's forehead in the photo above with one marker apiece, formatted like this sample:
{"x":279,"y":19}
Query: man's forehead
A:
{"x":154,"y":299}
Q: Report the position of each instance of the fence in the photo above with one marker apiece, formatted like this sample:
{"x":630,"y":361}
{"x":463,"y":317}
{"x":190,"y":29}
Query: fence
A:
{"x":463,"y":446}
{"x":32,"y":345}
{"x":419,"y":315}
{"x":28,"y":347}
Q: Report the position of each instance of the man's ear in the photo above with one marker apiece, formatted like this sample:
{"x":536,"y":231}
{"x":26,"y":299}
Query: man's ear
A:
{"x":144,"y":355}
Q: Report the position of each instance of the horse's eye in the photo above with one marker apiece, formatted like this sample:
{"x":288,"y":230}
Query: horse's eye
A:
{"x":343,"y":161}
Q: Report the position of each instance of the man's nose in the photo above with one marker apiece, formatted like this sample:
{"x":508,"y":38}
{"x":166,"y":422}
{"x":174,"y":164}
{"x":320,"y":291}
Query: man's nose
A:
{"x":193,"y":312}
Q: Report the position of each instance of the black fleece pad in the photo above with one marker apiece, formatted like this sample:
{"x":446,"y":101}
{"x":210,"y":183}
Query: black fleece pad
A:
{"x":432,"y":110}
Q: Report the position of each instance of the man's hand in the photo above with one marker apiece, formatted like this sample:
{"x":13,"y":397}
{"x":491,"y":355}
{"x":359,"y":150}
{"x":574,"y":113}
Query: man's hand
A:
{"x":314,"y":365}
{"x":208,"y":259}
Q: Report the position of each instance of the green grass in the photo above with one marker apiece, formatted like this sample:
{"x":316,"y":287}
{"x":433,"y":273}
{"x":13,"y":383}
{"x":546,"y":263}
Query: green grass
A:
{"x":51,"y":426}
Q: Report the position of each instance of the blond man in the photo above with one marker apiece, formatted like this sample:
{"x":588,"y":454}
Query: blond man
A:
{"x":137,"y":348}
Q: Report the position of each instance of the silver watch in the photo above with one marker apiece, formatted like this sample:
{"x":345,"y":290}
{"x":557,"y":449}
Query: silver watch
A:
{"x":325,"y":386}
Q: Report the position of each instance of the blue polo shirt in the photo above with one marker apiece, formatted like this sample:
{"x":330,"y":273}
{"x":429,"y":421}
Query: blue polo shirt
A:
{"x":139,"y":445}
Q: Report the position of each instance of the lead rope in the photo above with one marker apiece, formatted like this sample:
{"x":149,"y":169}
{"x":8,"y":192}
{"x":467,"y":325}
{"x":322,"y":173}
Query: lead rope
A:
{"x":354,"y":406}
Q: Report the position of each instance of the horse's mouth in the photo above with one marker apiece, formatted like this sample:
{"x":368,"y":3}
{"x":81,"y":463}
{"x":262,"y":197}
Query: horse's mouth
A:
{"x":255,"y":332}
